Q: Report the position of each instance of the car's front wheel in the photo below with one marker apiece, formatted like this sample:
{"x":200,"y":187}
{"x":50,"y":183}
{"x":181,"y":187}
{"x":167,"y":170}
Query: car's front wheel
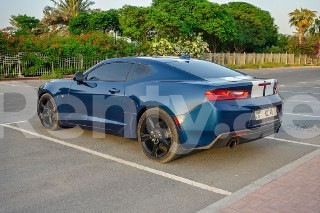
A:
{"x":158,"y":136}
{"x":47,"y":112}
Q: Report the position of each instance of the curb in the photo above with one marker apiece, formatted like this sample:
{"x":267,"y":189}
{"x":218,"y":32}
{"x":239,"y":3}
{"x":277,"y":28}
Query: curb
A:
{"x":238,"y":195}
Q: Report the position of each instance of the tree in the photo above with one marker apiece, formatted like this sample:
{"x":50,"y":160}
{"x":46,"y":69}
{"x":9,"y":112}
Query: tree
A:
{"x":133,"y":22}
{"x":178,"y":20}
{"x":104,"y":21}
{"x":64,"y":10}
{"x":281,"y":46}
{"x":255,"y":27}
{"x":175,"y":17}
{"x":52,"y":17}
{"x":188,"y":18}
{"x":214,"y":22}
{"x":315,"y":32}
{"x":315,"y":28}
{"x":80,"y":24}
{"x":5,"y":43}
{"x":23,"y":24}
{"x":302,"y":19}
{"x":309,"y":46}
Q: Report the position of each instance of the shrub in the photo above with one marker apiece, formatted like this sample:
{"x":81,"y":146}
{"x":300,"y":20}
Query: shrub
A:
{"x":88,"y":45}
{"x":53,"y":75}
{"x":195,"y":48}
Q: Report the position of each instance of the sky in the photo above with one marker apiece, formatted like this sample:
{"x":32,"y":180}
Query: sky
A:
{"x":279,"y":9}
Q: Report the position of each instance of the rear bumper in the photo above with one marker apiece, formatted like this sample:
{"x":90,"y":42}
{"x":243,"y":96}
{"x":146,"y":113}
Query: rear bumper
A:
{"x":213,"y":121}
{"x":244,"y":136}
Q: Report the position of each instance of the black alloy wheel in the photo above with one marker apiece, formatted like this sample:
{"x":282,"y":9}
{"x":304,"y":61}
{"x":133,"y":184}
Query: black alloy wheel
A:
{"x":158,"y":135}
{"x":47,"y":112}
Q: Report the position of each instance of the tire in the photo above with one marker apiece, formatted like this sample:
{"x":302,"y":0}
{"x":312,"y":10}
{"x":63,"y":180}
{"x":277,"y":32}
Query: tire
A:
{"x":48,"y":113}
{"x":160,"y":141}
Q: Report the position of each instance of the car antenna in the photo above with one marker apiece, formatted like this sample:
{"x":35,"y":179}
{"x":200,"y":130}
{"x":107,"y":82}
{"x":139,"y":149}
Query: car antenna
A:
{"x":185,"y":57}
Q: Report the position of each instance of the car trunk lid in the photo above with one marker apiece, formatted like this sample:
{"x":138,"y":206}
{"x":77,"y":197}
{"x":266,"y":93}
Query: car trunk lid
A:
{"x":256,"y":87}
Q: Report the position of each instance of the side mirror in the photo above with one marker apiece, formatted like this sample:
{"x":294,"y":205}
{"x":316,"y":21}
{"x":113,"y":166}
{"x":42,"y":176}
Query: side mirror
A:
{"x":78,"y":77}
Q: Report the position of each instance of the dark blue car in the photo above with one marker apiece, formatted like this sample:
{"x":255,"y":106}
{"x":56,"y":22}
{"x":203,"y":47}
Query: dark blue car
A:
{"x":171,"y":105}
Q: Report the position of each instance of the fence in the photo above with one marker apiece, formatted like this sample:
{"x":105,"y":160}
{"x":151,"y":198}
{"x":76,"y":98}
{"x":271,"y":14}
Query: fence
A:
{"x":21,"y":64}
{"x":259,"y":58}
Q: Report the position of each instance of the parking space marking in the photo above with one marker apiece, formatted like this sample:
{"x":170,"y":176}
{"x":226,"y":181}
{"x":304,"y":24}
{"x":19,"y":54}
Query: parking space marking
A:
{"x":316,"y":102}
{"x":14,"y":85}
{"x":295,"y":142}
{"x":16,"y":122}
{"x":300,"y":87}
{"x":313,"y":93}
{"x":125,"y":162}
{"x":311,"y":116}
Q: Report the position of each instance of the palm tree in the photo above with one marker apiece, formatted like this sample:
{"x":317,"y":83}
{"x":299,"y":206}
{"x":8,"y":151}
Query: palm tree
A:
{"x":302,"y":19}
{"x":315,"y":28}
{"x":64,"y":10}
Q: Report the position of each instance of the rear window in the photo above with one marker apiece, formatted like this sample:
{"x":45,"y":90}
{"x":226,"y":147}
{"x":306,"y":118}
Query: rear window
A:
{"x":205,"y":69}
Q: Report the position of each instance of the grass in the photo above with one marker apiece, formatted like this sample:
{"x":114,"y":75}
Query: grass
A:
{"x":268,"y":65}
{"x":53,"y":75}
{"x":10,"y":76}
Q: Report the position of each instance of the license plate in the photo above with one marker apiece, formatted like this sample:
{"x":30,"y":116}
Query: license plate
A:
{"x":265,"y":113}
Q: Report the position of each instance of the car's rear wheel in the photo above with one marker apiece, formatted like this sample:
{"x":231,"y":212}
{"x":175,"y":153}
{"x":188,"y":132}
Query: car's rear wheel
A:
{"x":47,"y":112}
{"x":158,"y":136}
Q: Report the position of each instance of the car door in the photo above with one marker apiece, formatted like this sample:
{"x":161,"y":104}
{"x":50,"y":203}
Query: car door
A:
{"x":102,"y":95}
{"x":133,"y":88}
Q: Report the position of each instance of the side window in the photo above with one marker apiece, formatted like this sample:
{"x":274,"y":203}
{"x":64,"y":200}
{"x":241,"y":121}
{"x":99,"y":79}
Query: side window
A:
{"x":138,"y":70}
{"x":110,"y":72}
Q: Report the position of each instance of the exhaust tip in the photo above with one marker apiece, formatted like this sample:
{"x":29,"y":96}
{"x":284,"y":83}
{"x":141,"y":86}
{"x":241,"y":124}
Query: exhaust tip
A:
{"x":233,"y":143}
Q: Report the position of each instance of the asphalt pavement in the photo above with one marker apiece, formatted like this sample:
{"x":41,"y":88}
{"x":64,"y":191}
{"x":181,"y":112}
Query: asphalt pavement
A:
{"x":79,"y":170}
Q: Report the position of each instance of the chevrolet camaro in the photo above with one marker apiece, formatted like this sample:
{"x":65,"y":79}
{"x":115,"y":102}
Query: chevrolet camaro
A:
{"x":170,"y":105}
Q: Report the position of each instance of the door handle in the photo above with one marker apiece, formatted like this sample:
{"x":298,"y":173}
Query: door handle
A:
{"x":114,"y":91}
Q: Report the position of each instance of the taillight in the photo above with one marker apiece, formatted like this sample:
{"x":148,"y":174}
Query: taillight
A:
{"x":219,"y":95}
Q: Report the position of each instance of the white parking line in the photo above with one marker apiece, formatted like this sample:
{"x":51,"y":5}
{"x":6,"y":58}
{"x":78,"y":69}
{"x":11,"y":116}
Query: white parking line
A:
{"x":300,"y":87}
{"x":311,"y":116}
{"x":16,"y":122}
{"x":14,"y":85}
{"x":296,"y":92}
{"x":295,"y":142}
{"x":127,"y":163}
{"x":316,"y":102}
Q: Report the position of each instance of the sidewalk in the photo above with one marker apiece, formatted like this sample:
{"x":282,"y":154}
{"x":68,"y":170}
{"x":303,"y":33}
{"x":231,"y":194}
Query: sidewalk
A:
{"x":296,"y":191}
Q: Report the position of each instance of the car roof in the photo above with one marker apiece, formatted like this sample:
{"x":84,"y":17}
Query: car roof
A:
{"x":149,"y":60}
{"x":162,"y":64}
